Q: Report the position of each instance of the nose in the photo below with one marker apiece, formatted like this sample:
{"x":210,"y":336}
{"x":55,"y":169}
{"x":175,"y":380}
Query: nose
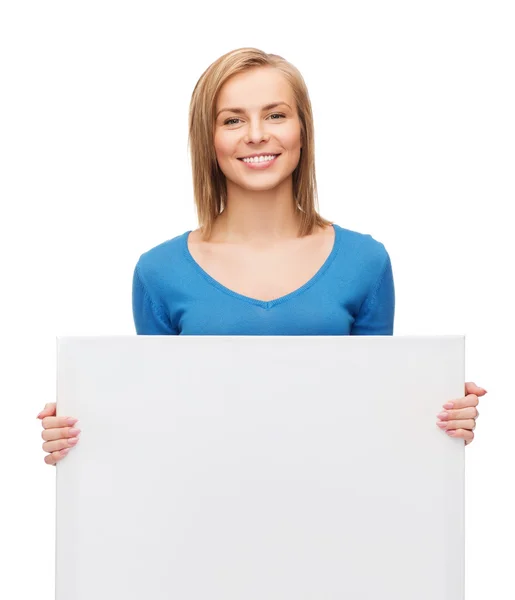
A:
{"x":256,"y":132}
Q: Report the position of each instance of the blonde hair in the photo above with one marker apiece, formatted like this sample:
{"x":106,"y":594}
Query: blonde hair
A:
{"x":209,"y":183}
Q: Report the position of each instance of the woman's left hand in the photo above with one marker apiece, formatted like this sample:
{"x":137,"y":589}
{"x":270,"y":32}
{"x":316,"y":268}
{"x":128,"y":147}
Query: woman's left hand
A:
{"x":459,"y":416}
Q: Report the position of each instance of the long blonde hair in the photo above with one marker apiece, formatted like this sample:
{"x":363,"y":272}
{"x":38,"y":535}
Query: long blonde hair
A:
{"x":209,"y":184}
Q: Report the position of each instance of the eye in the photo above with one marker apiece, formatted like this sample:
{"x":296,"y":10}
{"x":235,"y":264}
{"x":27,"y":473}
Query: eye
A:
{"x":232,"y":120}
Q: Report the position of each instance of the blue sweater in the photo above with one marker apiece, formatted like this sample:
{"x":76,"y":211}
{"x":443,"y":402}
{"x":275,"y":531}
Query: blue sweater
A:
{"x":351,"y":294}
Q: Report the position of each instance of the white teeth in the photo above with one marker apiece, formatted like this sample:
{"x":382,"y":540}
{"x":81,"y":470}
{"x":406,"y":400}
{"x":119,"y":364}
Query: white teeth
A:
{"x":260,"y":159}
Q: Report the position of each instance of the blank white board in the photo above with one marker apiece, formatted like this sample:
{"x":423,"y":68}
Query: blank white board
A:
{"x":260,"y":468}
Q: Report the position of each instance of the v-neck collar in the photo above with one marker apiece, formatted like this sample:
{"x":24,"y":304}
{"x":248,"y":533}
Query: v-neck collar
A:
{"x":265,"y":303}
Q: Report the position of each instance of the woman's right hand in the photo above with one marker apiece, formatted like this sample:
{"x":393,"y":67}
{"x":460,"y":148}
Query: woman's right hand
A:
{"x":59,"y":434}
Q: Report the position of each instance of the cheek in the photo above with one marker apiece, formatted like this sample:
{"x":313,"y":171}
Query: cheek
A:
{"x":292,"y":138}
{"x":223,"y":147}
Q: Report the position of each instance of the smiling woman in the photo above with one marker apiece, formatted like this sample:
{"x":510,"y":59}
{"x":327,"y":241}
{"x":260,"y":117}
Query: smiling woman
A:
{"x":263,"y":261}
{"x":249,"y":103}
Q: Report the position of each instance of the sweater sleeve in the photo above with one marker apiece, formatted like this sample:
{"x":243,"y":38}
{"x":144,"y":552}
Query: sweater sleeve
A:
{"x":376,"y":314}
{"x":149,"y":315}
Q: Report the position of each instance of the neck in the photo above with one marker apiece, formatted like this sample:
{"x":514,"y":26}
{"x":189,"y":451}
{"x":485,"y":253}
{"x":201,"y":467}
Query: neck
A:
{"x":257,"y":216}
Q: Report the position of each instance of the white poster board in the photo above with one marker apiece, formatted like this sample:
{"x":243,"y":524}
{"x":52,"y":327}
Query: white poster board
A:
{"x":260,"y":468}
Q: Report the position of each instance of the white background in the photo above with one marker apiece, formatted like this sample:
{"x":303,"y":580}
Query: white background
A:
{"x":415,"y":130}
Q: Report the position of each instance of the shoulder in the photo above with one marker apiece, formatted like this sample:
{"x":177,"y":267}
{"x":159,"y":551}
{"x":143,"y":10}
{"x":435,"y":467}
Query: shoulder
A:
{"x":367,"y":271}
{"x":366,"y":249}
{"x":157,"y":263}
{"x":165,"y":251}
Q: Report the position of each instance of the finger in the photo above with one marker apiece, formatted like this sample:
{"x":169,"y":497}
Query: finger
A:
{"x":53,"y":422}
{"x":50,"y":459}
{"x":49,"y":410}
{"x":469,"y":400}
{"x":55,"y":457}
{"x":472,"y":388}
{"x":60,"y":444}
{"x":49,"y":435}
{"x":465,"y":434}
{"x":460,"y":424}
{"x":462,"y":413}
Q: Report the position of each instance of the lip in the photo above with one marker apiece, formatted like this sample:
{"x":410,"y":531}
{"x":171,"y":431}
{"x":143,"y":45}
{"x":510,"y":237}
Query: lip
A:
{"x":260,"y":166}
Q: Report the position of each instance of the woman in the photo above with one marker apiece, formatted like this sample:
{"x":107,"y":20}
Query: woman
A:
{"x":263,"y":261}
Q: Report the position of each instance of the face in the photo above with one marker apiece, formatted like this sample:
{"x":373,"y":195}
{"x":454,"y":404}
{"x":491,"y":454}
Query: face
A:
{"x":246,"y":124}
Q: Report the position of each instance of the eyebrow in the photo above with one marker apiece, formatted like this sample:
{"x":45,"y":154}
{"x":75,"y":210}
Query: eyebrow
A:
{"x":241,"y":110}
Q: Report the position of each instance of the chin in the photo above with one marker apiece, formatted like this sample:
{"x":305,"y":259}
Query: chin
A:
{"x":260,"y":187}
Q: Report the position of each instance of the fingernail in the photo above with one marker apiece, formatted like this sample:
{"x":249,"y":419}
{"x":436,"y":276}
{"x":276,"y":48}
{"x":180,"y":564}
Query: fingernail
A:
{"x":73,"y":441}
{"x":71,"y":421}
{"x":443,"y":415}
{"x":442,"y":425}
{"x":74,"y":432}
{"x":65,"y":451}
{"x":451,"y":432}
{"x":448,"y":405}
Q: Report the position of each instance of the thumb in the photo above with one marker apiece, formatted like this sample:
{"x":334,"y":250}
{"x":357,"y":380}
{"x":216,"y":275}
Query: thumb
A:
{"x":48,"y":411}
{"x":472,"y":388}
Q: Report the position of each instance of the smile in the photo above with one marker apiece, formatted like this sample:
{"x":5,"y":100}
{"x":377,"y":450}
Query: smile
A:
{"x":261,"y":162}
